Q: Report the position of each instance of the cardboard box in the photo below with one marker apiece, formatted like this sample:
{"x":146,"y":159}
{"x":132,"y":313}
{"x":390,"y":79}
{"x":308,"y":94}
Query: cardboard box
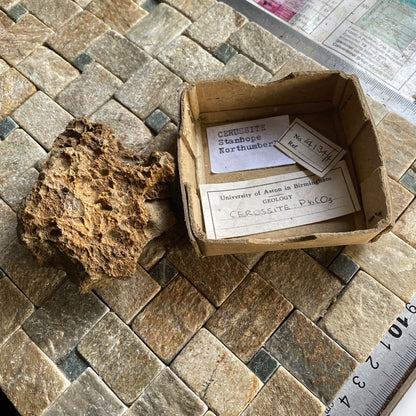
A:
{"x":333,"y":104}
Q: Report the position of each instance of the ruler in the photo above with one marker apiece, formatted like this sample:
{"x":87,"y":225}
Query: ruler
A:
{"x":375,"y":381}
{"x":326,"y":57}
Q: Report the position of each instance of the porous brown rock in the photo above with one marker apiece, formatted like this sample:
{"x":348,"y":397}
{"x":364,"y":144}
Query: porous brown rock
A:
{"x":87,"y":211}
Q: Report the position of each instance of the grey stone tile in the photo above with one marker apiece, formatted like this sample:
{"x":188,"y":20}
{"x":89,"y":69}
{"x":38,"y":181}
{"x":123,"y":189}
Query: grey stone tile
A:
{"x":156,"y":121}
{"x":216,"y":25}
{"x":399,"y":154}
{"x":118,"y":54}
{"x":249,"y":316}
{"x":284,"y":395}
{"x":89,"y":91}
{"x":42,"y":118}
{"x":323,"y":255}
{"x":172,"y":318}
{"x":263,"y":365}
{"x":28,"y":377}
{"x":163,"y":272}
{"x":71,"y":38}
{"x":128,"y":128}
{"x":17,"y":12}
{"x":311,"y":356}
{"x":53,"y":13}
{"x":301,"y":280}
{"x":408,"y":180}
{"x":18,"y":187}
{"x":263,"y":47}
{"x":87,"y":396}
{"x":390,"y":261}
{"x":344,"y":267}
{"x":8,"y":224}
{"x":192,"y":9}
{"x":215,"y":277}
{"x":111,"y":339}
{"x":14,"y":89}
{"x":36,"y":282}
{"x":167,"y":395}
{"x":241,"y":66}
{"x":224,"y":52}
{"x":400,"y":198}
{"x":21,"y":38}
{"x":120,"y":15}
{"x":15,"y":308}
{"x":223,"y":382}
{"x":362,"y":315}
{"x":190,"y":61}
{"x":127,"y":297}
{"x":63,"y":320}
{"x":47,"y":70}
{"x":147,"y":88}
{"x":148,"y":5}
{"x":155,"y":31}
{"x":73,"y":365}
{"x":19,"y":152}
{"x":7,"y":126}
{"x":82,"y":60}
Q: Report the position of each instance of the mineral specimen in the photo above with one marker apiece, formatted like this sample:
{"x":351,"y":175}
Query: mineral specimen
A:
{"x":87,"y":211}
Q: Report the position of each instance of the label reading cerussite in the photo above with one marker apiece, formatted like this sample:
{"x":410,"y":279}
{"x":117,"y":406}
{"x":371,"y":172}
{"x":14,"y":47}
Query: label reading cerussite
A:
{"x":309,"y":148}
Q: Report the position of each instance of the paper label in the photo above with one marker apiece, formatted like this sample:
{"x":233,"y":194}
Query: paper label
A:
{"x":247,"y":145}
{"x":273,"y":203}
{"x":309,"y":148}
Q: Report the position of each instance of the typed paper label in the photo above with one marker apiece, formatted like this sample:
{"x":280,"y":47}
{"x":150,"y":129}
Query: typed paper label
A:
{"x":273,"y":203}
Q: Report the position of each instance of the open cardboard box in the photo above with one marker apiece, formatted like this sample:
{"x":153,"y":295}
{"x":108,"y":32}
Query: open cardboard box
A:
{"x":333,"y":104}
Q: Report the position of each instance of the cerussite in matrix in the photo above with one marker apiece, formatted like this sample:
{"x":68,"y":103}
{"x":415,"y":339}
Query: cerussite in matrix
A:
{"x":86,"y":212}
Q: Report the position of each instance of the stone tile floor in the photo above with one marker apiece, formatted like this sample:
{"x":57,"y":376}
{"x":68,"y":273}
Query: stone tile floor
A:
{"x":261,"y":334}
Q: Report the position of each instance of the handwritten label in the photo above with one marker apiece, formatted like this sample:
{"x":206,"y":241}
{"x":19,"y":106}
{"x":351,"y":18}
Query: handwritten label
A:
{"x":309,"y":148}
{"x":273,"y":203}
{"x":247,"y":145}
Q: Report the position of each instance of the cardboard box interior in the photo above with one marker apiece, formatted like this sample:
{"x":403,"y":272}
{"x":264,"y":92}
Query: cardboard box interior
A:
{"x":333,"y":104}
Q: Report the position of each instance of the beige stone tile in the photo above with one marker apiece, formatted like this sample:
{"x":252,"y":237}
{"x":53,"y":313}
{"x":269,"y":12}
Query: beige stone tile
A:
{"x":297,"y":63}
{"x":405,"y":226}
{"x":300,"y":279}
{"x":86,"y":396}
{"x":191,"y":9}
{"x":390,"y":261}
{"x":165,"y":141}
{"x":103,"y":348}
{"x":127,"y":297}
{"x":3,"y":66}
{"x":216,"y":277}
{"x":14,"y":89}
{"x":151,"y":254}
{"x":18,"y":153}
{"x":172,"y":318}
{"x":63,"y":320}
{"x":283,"y":395}
{"x":207,"y":32}
{"x":362,"y":315}
{"x":36,"y":282}
{"x":20,"y":39}
{"x":241,"y":66}
{"x":47,"y":70}
{"x":378,"y":111}
{"x":28,"y":377}
{"x":223,"y":382}
{"x":400,"y":197}
{"x":42,"y":118}
{"x":15,"y":308}
{"x":53,"y":13}
{"x":397,"y":137}
{"x":8,"y":4}
{"x":120,"y":15}
{"x":249,"y":316}
{"x":8,"y":224}
{"x":249,"y":259}
{"x":167,"y":395}
{"x":72,"y":38}
{"x":323,"y":255}
{"x":311,"y":356}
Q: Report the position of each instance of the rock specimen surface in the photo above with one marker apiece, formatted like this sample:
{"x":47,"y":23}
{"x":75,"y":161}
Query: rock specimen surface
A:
{"x":87,"y":211}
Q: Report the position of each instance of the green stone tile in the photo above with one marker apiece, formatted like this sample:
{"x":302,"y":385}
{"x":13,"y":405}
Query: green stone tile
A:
{"x":224,"y":52}
{"x":103,"y":346}
{"x":263,"y":365}
{"x":156,"y":121}
{"x":344,"y":267}
{"x":311,"y":356}
{"x":17,"y":12}
{"x":73,"y":365}
{"x":149,"y":5}
{"x":408,"y":180}
{"x":163,"y":272}
{"x":63,"y":320}
{"x":82,"y":61}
